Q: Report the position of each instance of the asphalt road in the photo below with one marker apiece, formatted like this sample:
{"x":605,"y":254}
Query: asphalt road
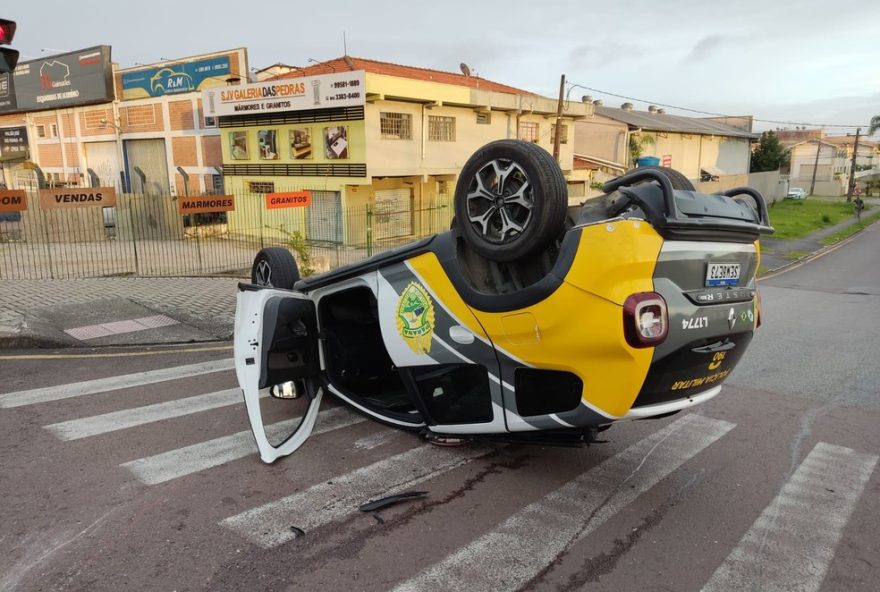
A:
{"x":152,"y":482}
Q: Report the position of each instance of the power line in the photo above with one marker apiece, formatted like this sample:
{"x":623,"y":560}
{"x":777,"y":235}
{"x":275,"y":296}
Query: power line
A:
{"x":611,"y":94}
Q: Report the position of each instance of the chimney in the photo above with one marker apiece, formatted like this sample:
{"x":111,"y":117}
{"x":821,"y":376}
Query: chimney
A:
{"x":586,"y":99}
{"x":598,"y":102}
{"x":627,"y":106}
{"x":661,"y":111}
{"x":652,"y":108}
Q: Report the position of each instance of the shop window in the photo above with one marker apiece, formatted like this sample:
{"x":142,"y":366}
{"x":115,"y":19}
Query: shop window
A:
{"x":261,"y":187}
{"x":563,"y":139}
{"x":217,"y":184}
{"x":528,"y":131}
{"x":53,"y":130}
{"x":210,"y":121}
{"x":484,"y":118}
{"x":395,"y":126}
{"x":441,"y":128}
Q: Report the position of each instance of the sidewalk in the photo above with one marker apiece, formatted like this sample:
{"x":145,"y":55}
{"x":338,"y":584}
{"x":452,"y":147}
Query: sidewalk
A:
{"x":148,"y":311}
{"x":115,"y":311}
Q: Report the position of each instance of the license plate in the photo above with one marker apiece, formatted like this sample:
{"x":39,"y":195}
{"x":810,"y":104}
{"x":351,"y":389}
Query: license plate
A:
{"x":722,"y":274}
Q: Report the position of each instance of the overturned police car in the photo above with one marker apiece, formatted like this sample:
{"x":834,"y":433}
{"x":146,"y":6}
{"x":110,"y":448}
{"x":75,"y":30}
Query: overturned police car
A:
{"x":528,"y":321}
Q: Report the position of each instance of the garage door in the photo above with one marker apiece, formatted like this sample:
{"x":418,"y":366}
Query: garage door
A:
{"x":393,"y":215}
{"x":148,"y":156}
{"x":324,"y":217}
{"x":101,"y":158}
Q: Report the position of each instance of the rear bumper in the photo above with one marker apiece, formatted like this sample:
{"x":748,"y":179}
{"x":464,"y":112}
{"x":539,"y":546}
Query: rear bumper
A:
{"x":646,"y":411}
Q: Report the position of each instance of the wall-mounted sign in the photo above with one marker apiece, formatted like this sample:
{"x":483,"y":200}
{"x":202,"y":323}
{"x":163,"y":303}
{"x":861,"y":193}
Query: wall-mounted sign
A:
{"x":7,"y":94}
{"x":343,"y":89}
{"x":65,"y":80}
{"x":205,"y":204}
{"x":77,"y":197}
{"x":290,"y":199}
{"x":175,"y":78}
{"x":667,"y":160}
{"x":13,"y":143}
{"x":12,"y":201}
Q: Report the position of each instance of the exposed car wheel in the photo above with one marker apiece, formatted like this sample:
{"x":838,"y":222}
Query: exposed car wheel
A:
{"x":275,"y":267}
{"x":510,"y":200}
{"x":678,"y":180}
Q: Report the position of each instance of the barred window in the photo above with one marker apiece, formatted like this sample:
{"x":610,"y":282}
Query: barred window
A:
{"x":262,"y":186}
{"x":563,"y":138}
{"x":395,"y":126}
{"x":528,"y":131}
{"x":441,"y":128}
{"x":484,"y":118}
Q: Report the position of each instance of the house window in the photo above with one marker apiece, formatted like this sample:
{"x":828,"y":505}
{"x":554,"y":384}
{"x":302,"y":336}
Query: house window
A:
{"x":217,"y":184}
{"x":441,"y":129}
{"x":563,"y":139}
{"x":484,"y":118}
{"x":210,"y":121}
{"x":528,"y":131}
{"x":261,"y":186}
{"x":53,"y":130}
{"x":395,"y":126}
{"x":41,"y":131}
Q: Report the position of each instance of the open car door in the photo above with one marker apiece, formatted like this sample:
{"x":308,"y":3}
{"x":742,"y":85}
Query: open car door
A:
{"x":276,"y":362}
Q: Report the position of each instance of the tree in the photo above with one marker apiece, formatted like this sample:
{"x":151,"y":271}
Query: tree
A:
{"x":874,"y":126}
{"x":637,"y":143}
{"x":769,"y":155}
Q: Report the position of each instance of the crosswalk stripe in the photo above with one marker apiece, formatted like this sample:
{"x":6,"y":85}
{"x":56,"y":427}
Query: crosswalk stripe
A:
{"x":518,"y":549}
{"x":212,"y":453}
{"x":75,"y":429}
{"x":268,"y":525}
{"x":111,"y":383}
{"x":792,"y":542}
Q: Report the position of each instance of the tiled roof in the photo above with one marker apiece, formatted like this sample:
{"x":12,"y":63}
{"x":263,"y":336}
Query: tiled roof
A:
{"x":848,"y":141}
{"x":348,"y":63}
{"x":662,"y":122}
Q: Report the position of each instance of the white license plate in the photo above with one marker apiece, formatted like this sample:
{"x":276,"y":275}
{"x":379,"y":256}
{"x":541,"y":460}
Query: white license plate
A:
{"x":722,"y":274}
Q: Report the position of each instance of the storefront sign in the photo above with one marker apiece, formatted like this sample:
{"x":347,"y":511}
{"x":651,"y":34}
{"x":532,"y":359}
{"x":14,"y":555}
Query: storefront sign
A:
{"x":345,"y":89}
{"x":77,"y":78}
{"x":7,"y":95}
{"x":667,"y":161}
{"x":205,"y":204}
{"x":175,"y":78}
{"x":12,"y":201}
{"x":290,"y":199}
{"x":13,"y":143}
{"x":77,"y":197}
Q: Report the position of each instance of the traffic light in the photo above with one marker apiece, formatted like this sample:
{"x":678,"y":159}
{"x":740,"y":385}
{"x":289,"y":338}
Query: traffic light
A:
{"x":8,"y":57}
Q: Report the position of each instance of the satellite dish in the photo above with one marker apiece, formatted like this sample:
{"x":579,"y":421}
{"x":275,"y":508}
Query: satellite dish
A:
{"x":464,"y":69}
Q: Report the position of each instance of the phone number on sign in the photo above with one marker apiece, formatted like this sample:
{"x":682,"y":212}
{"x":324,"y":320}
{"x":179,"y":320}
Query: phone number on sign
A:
{"x":344,"y":96}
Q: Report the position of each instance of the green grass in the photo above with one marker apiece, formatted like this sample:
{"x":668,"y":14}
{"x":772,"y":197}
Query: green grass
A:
{"x":795,"y":255}
{"x":867,"y":220}
{"x":798,"y":218}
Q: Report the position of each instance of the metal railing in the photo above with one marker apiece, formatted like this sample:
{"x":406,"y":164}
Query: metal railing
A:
{"x":144,"y":235}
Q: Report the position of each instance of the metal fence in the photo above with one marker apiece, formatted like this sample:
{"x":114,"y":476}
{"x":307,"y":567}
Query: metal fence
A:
{"x":144,"y":235}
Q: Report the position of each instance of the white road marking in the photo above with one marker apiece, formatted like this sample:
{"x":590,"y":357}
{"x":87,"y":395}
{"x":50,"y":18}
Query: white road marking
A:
{"x":112,"y":383}
{"x":269,"y":525}
{"x":376,"y":440}
{"x":791,"y":544}
{"x":212,"y":453}
{"x":75,"y":429}
{"x":513,"y":553}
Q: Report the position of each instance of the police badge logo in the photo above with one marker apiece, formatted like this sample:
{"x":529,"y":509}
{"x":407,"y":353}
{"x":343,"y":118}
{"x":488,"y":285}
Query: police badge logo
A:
{"x":415,"y":318}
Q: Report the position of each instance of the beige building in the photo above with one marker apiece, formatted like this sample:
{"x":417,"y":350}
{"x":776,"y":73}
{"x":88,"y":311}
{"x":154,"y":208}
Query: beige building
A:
{"x":361,"y":134}
{"x":715,"y":150}
{"x":831,"y":159}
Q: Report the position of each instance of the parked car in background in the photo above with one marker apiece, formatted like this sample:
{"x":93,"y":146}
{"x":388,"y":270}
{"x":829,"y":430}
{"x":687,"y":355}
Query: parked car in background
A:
{"x":796,"y":193}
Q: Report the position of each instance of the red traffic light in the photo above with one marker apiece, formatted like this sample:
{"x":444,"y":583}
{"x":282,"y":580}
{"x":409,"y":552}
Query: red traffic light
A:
{"x":7,"y":31}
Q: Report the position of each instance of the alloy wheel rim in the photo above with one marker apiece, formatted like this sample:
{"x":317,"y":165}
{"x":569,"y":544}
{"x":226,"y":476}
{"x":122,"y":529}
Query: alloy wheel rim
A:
{"x":263,"y":274}
{"x":500,"y":201}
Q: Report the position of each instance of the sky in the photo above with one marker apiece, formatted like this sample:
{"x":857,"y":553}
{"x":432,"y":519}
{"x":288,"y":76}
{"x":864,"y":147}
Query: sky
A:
{"x":810,"y":61}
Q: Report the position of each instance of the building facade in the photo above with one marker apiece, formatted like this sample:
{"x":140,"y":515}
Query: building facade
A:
{"x":363,"y":135}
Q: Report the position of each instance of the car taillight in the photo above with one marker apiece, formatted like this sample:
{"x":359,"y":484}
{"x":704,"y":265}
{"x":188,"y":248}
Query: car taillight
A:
{"x":645,"y":319}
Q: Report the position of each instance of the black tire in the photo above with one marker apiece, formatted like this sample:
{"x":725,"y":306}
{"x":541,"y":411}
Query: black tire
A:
{"x":275,"y":267}
{"x":678,"y":180}
{"x":521,"y":215}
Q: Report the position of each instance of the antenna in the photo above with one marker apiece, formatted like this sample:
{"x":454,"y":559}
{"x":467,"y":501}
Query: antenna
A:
{"x":464,"y":69}
{"x":344,"y":45}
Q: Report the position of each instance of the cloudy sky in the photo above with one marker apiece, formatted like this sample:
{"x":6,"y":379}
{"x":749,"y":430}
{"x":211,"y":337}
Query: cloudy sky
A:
{"x":810,"y":61}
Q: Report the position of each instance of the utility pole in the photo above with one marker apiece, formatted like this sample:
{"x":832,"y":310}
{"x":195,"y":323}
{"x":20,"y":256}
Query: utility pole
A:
{"x":815,"y":166}
{"x":558,"y":135}
{"x":852,"y":168}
